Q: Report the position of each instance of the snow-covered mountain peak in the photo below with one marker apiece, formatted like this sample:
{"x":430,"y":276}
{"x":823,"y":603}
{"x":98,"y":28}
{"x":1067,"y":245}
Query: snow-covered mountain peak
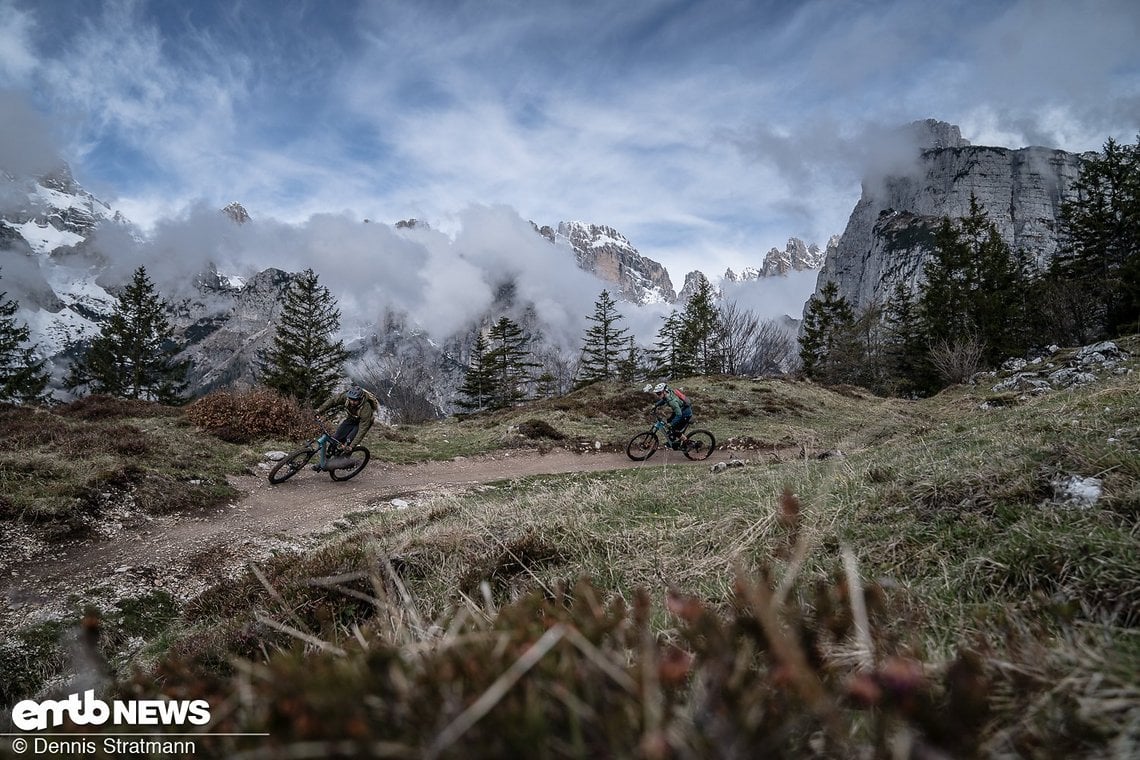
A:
{"x":608,"y":254}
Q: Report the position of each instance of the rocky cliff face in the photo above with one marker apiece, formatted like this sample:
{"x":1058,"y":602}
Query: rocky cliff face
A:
{"x":797,"y":256}
{"x":607,"y":254}
{"x":224,"y":326}
{"x":890,"y":232}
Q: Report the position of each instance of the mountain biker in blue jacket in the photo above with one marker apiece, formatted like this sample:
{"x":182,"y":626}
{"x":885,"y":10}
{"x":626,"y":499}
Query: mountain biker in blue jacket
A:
{"x":680,"y":406}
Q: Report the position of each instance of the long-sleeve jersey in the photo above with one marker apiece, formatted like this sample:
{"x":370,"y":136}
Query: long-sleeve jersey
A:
{"x":364,"y":413}
{"x":674,"y":404}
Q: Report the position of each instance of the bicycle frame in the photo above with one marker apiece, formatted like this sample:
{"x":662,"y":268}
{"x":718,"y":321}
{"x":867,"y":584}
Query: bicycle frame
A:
{"x":699,"y":444}
{"x":322,"y":441}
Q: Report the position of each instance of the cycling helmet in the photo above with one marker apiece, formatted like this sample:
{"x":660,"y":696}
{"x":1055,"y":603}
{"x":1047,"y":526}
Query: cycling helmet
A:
{"x":355,"y":393}
{"x":659,"y":388}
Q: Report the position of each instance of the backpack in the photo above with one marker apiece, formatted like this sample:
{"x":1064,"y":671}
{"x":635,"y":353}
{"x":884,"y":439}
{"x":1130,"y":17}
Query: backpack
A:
{"x":370,"y":397}
{"x":681,"y":397}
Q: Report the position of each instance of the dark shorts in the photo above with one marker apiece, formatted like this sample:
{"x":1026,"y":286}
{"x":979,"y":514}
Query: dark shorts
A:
{"x":347,"y":430}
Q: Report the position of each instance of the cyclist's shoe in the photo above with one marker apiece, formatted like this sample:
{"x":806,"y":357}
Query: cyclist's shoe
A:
{"x":316,"y":468}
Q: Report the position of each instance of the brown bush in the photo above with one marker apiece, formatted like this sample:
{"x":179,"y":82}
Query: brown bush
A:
{"x":250,"y":416}
{"x":100,"y":407}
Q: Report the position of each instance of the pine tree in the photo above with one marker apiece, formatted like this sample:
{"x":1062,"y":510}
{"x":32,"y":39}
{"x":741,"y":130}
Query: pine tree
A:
{"x":828,"y":326}
{"x":1100,"y":253}
{"x":629,"y":368}
{"x":701,"y":334}
{"x":133,"y":356}
{"x":669,"y":358}
{"x":304,"y":361}
{"x":22,"y":376}
{"x":603,"y":344}
{"x":972,"y":288}
{"x":905,"y":349}
{"x":475,"y":392}
{"x":508,"y":362}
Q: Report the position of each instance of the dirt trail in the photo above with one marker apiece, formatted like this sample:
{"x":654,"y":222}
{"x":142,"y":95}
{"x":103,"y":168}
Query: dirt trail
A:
{"x":184,"y":553}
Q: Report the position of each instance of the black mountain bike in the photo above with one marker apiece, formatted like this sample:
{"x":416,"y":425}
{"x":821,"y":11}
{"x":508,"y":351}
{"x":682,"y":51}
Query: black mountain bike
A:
{"x":339,"y":463}
{"x":700,"y":443}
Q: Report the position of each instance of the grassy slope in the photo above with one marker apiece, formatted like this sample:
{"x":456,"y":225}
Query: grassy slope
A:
{"x":948,"y":510}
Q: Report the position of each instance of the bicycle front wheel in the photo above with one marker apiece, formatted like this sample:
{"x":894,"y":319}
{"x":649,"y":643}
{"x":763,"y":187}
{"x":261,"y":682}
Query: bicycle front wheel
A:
{"x":642,"y":446}
{"x":700,"y":445}
{"x":347,"y":465}
{"x":290,"y":466}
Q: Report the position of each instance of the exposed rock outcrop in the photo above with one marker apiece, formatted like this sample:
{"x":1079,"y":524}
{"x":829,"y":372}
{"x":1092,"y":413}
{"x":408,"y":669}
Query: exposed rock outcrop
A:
{"x":891,"y":231}
{"x":607,"y":254}
{"x":797,"y":256}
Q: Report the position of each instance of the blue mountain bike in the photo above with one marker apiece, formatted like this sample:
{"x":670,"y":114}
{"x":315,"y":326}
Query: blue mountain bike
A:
{"x":700,"y":443}
{"x":332,"y":457}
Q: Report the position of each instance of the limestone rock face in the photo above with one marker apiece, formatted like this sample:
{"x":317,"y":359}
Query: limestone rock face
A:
{"x":610,"y":256}
{"x":890,"y":233}
{"x":693,"y":281}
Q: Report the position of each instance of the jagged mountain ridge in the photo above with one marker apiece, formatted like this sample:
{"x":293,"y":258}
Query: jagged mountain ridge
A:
{"x":797,"y":256}
{"x":891,"y":230}
{"x":607,"y":254}
{"x":46,"y":224}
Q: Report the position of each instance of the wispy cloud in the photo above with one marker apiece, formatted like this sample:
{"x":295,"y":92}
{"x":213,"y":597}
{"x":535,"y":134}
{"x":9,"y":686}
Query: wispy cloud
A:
{"x":707,"y":132}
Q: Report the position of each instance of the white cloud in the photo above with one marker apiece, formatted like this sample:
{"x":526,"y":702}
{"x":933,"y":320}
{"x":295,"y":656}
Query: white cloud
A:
{"x":18,"y":60}
{"x":705,"y":132}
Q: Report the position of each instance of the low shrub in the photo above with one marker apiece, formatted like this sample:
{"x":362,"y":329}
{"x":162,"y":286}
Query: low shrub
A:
{"x":100,"y":407}
{"x":245,"y":417}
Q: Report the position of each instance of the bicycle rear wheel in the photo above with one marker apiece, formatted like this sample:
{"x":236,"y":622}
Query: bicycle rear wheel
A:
{"x":353,"y":462}
{"x":700,"y":445}
{"x":642,"y":446}
{"x":290,"y":466}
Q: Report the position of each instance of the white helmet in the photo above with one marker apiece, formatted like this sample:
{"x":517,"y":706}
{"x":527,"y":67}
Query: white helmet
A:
{"x":659,"y":388}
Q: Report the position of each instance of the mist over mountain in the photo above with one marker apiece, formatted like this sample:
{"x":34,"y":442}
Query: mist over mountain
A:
{"x":890,"y":232}
{"x":64,"y":254}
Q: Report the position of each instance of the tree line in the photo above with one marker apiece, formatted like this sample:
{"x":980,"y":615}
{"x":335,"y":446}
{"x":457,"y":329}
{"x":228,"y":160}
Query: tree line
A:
{"x":706,"y":337}
{"x":979,"y":302}
{"x":135,"y":354}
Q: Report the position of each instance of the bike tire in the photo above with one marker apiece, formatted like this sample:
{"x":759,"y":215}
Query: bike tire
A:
{"x":290,"y":466}
{"x":700,"y":446}
{"x":642,"y":446}
{"x":359,"y":456}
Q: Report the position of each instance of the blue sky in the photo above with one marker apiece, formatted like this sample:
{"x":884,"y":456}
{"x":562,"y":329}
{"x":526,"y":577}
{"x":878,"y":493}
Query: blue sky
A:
{"x":706,"y":132}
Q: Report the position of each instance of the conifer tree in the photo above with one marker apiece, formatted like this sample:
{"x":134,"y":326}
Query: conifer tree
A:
{"x":22,"y":376}
{"x":629,"y":368}
{"x":305,"y":361}
{"x":1100,"y":253}
{"x":604,"y":342}
{"x":905,"y":349}
{"x":669,"y":357}
{"x":827,"y":328}
{"x":508,"y":362}
{"x":701,"y":334}
{"x":972,"y":287}
{"x":133,"y":355}
{"x":475,"y":392}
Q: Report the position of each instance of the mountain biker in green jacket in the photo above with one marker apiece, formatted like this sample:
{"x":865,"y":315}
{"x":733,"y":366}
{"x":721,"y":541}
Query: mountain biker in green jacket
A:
{"x":361,"y":407}
{"x":679,"y":405}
